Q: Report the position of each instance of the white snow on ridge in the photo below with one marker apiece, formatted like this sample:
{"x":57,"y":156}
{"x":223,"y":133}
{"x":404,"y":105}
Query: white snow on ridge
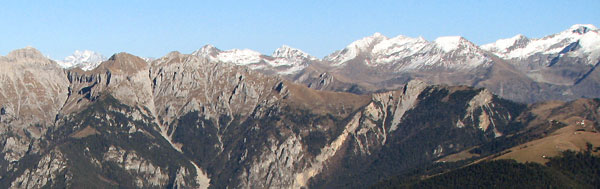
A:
{"x":503,"y":45}
{"x":590,"y":44}
{"x":398,"y":48}
{"x":285,"y":60}
{"x":586,"y":35}
{"x":239,"y":57}
{"x":291,"y":53}
{"x":452,"y":52}
{"x":583,"y":27}
{"x":449,"y":43}
{"x":365,"y":43}
{"x":408,"y":46}
{"x":86,"y":60}
{"x":355,"y":48}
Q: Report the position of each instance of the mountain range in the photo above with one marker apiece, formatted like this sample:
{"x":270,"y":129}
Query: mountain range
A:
{"x":556,"y":67}
{"x":379,"y":108}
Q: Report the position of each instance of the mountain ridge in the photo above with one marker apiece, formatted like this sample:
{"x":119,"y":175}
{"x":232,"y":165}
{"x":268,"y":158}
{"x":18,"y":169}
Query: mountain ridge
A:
{"x":91,"y":57}
{"x":562,"y":67}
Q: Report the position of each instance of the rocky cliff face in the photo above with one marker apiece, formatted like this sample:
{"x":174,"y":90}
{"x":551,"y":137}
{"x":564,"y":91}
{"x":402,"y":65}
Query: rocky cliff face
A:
{"x":33,"y":90}
{"x":186,"y":121}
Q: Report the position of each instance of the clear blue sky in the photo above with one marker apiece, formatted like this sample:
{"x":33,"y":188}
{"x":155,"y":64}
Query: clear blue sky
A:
{"x":154,"y":28}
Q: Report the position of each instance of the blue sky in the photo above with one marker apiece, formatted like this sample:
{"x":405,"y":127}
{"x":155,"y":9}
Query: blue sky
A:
{"x":154,"y":28}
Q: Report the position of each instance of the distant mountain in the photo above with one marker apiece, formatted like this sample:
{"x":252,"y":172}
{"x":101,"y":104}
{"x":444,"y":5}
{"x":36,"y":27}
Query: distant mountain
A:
{"x":284,"y":61}
{"x":557,"y":67}
{"x":405,"y":54}
{"x":560,"y":66}
{"x":568,"y":58}
{"x":578,"y":40}
{"x":86,"y":60}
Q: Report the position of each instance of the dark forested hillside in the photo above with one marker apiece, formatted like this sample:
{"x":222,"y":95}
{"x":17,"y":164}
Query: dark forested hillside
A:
{"x":570,"y":170}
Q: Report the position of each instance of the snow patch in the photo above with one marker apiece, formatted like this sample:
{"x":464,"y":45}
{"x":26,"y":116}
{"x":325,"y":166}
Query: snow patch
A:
{"x":285,"y":60}
{"x":403,"y":45}
{"x":583,"y":27}
{"x":449,"y":43}
{"x":239,"y":57}
{"x":291,"y":53}
{"x":503,"y":45}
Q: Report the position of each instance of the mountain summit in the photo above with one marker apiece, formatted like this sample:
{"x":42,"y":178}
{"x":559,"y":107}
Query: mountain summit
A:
{"x":291,"y":53}
{"x":86,"y":60}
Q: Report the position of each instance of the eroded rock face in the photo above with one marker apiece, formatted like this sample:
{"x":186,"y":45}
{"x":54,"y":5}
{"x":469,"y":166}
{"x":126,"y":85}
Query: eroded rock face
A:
{"x":147,"y":174}
{"x":184,"y":83}
{"x":32,"y":92}
{"x":32,"y":88}
{"x":50,"y":169}
{"x":124,"y":76}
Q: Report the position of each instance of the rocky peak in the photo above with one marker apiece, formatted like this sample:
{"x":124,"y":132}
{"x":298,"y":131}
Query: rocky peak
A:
{"x":124,"y":76}
{"x":86,"y":60}
{"x":416,"y":83}
{"x":172,"y":57}
{"x":367,"y":42}
{"x":355,"y":48}
{"x":451,"y":43}
{"x":582,"y":28}
{"x":27,"y":53}
{"x":291,"y":53}
{"x":207,"y":50}
{"x":173,"y":54}
{"x":505,"y":45}
{"x":124,"y":62}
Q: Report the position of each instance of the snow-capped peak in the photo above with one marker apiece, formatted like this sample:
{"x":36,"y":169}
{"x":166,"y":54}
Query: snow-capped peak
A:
{"x":207,"y":50}
{"x":582,"y":28}
{"x":291,"y":53}
{"x":404,"y":53}
{"x":86,"y":60}
{"x":450,"y":43}
{"x":355,"y":48}
{"x":235,"y":56}
{"x":367,"y":42}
